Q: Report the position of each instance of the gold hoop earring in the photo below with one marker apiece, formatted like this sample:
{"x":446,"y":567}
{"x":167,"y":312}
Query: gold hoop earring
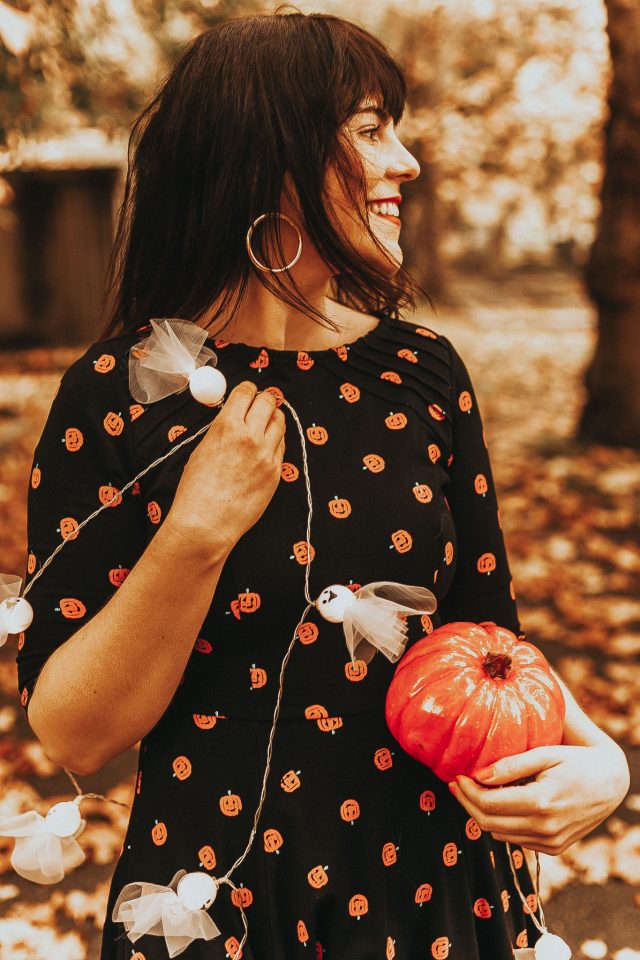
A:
{"x":261,"y":266}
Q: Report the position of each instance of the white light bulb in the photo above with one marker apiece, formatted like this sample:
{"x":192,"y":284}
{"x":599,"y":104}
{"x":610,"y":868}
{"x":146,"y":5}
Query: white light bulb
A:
{"x":63,"y":819}
{"x":197,"y":891}
{"x":551,"y":947}
{"x":16,"y":614}
{"x":207,"y":384}
{"x":334,"y":601}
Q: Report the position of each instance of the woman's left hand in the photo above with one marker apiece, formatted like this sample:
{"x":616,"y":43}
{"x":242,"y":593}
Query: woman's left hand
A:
{"x":575,"y":788}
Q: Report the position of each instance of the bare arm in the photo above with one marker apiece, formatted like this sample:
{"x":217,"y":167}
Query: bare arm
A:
{"x":120,"y":670}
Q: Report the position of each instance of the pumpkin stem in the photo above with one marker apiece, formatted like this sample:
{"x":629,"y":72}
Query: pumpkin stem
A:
{"x":497,"y":664}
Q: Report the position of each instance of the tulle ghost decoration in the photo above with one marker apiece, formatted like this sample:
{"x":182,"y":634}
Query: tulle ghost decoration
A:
{"x":170,"y":359}
{"x":372,"y":615}
{"x":177,"y":912}
{"x":46,"y":848}
{"x":16,"y":613}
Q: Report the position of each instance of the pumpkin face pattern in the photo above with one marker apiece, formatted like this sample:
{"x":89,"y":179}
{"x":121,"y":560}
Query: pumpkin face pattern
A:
{"x":242,"y":897}
{"x":175,"y":431}
{"x":135,"y":410}
{"x":154,"y":511}
{"x":356,"y":670}
{"x":104,"y":363}
{"x":232,"y":946}
{"x":486,"y":563}
{"x":472,"y":829}
{"x":436,"y":411}
{"x":390,"y":952}
{"x":261,"y":362}
{"x":402,"y":540}
{"x":230,"y":804}
{"x":522,"y":939}
{"x":349,"y":392}
{"x":258,"y":677}
{"x":307,"y":632}
{"x":108,"y":494}
{"x":504,"y":897}
{"x":481,"y":908}
{"x":289,"y":472}
{"x":317,"y":435}
{"x":409,"y":355}
{"x":427,"y":801}
{"x":373,"y":463}
{"x":383,"y":759}
{"x":358,"y":905}
{"x":159,"y":833}
{"x":518,"y":859}
{"x":422,"y":492}
{"x":73,"y":439}
{"x":434,"y":452}
{"x":389,"y":854}
{"x":395,"y":421}
{"x":304,"y":361}
{"x":339,"y":507}
{"x":423,"y":893}
{"x":247,"y":602}
{"x":391,"y":375}
{"x":290,"y":781}
{"x":71,"y":608}
{"x":531,"y":904}
{"x":36,"y":476}
{"x":272,"y":840}
{"x":465,"y":402}
{"x":207,"y":857}
{"x":350,"y":810}
{"x":440,"y":948}
{"x":449,"y":854}
{"x":303,"y":552}
{"x":118,"y":575}
{"x":317,"y":877}
{"x":181,"y":768}
{"x":301,"y":930}
{"x":205,"y":721}
{"x":480,"y":484}
{"x":68,"y":528}
{"x":113,"y":424}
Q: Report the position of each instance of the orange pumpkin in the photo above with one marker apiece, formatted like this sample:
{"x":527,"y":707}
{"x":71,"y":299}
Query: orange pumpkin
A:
{"x":154,"y":511}
{"x":138,"y":956}
{"x":427,"y":801}
{"x":304,"y":361}
{"x":389,"y":854}
{"x":504,"y":896}
{"x":24,"y":697}
{"x":472,"y":829}
{"x":522,"y":940}
{"x":277,"y":393}
{"x":329,"y":724}
{"x":247,"y":602}
{"x":272,"y":840}
{"x":449,"y":854}
{"x":307,"y":632}
{"x":36,"y":476}
{"x":104,"y":363}
{"x":258,"y":676}
{"x":373,"y":462}
{"x":107,"y":493}
{"x":465,"y":402}
{"x":159,"y":833}
{"x":118,"y":575}
{"x":207,"y":857}
{"x":531,"y":904}
{"x":135,"y":410}
{"x":390,"y":952}
{"x":205,"y":721}
{"x":383,"y":758}
{"x":440,"y":948}
{"x":303,"y":552}
{"x":339,"y":507}
{"x":518,"y":858}
{"x":423,"y":893}
{"x":242,"y":897}
{"x":425,"y":332}
{"x":113,"y":424}
{"x":175,"y":431}
{"x":481,"y":908}
{"x":202,"y":645}
{"x":358,"y":905}
{"x":340,"y":351}
{"x":350,"y":810}
{"x":290,"y":781}
{"x":427,"y":623}
{"x":68,"y":528}
{"x":391,"y":375}
{"x":406,"y":354}
{"x":71,"y":608}
{"x":486,"y":563}
{"x":434,"y":452}
{"x":289,"y":472}
{"x":317,"y":435}
{"x":448,"y":553}
{"x":422,"y":492}
{"x":303,"y":933}
{"x":21,"y":640}
{"x":315,"y":711}
{"x":402,"y":540}
{"x":349,"y":392}
{"x":73,"y":439}
{"x":232,"y":946}
{"x":356,"y":670}
{"x":261,"y":362}
{"x":317,"y":876}
{"x":480,"y":484}
{"x":436,"y":411}
{"x":181,"y":768}
{"x":230,"y":804}
{"x":395,"y":421}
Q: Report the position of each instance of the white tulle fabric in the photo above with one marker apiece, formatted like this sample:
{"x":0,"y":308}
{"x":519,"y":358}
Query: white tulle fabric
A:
{"x":149,"y":908}
{"x":38,"y":854}
{"x":374,"y":621}
{"x":9,"y":588}
{"x":161,"y":363}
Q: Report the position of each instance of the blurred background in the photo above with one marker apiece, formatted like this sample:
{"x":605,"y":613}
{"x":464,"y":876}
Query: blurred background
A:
{"x":525,"y":227}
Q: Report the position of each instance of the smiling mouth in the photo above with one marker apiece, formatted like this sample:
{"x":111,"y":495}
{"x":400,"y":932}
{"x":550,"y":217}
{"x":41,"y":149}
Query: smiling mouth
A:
{"x":386,"y":216}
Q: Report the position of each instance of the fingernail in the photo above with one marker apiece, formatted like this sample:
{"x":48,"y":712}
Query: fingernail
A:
{"x":485,"y":773}
{"x":451,"y":786}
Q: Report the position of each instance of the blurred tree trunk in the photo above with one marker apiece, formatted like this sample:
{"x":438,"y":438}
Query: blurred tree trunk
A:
{"x":612,"y":413}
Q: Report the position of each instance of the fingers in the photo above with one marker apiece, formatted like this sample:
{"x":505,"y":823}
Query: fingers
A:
{"x":504,"y":801}
{"x":521,"y":765}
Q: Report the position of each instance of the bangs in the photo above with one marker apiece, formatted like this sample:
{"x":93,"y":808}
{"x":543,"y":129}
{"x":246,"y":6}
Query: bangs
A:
{"x":369,"y":73}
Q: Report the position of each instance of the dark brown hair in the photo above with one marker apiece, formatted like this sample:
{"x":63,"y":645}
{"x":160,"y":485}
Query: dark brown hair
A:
{"x":247,"y":100}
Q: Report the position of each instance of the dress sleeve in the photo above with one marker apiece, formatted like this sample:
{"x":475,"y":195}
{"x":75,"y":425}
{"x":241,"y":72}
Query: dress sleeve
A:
{"x":83,"y":458}
{"x":482,"y":587}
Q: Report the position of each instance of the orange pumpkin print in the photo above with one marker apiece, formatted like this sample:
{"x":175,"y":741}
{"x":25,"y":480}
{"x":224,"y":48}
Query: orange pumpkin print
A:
{"x":436,"y":411}
{"x":373,"y":463}
{"x":205,"y":721}
{"x":465,"y":402}
{"x":303,"y":552}
{"x":232,"y":946}
{"x":104,"y":363}
{"x":73,"y":439}
{"x":434,"y":452}
{"x":358,"y":905}
{"x":329,"y":724}
{"x":486,"y":563}
{"x":504,"y":897}
{"x":350,"y":810}
{"x":289,"y":472}
{"x":341,"y":352}
{"x":108,"y":494}
{"x":24,"y":697}
{"x":448,"y":553}
{"x":396,"y":421}
{"x":175,"y":431}
{"x":389,"y":854}
{"x":247,"y":602}
{"x":402,"y":540}
{"x":113,"y":424}
{"x":406,"y":354}
{"x":230,"y":804}
{"x":472,"y":829}
{"x":349,"y":392}
{"x":317,"y":435}
{"x":390,"y":952}
{"x":36,"y":476}
{"x":356,"y":670}
{"x":272,"y":840}
{"x":422,"y":492}
{"x":242,"y":897}
{"x":71,"y":608}
{"x":425,"y":332}
{"x":339,"y":507}
{"x":480,"y":484}
{"x":449,"y":854}
{"x":207,"y":857}
{"x":135,"y":410}
{"x":181,"y":768}
{"x":315,"y":711}
{"x":277,"y":393}
{"x":426,"y":623}
{"x":307,"y":632}
{"x":440,"y":948}
{"x":261,"y":362}
{"x":68,"y":528}
{"x":531,"y":904}
{"x":302,"y":932}
{"x":118,"y":575}
{"x":522,"y":939}
{"x":258,"y":677}
{"x":159,"y":833}
{"x":202,"y":645}
{"x":481,"y":908}
{"x":391,"y":375}
{"x":317,"y":877}
{"x":383,"y":758}
{"x":304,"y":361}
{"x":290,"y":781}
{"x":423,"y":893}
{"x":518,"y":859}
{"x":427,"y":801}
{"x":154,"y":511}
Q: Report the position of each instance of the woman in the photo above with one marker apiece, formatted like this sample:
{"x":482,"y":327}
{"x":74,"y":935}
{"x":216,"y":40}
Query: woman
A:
{"x":166,"y":620}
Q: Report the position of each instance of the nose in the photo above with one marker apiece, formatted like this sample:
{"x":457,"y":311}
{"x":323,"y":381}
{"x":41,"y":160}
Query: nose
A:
{"x":403,"y":165}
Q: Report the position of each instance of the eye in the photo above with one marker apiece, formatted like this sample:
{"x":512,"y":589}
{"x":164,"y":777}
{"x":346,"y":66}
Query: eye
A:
{"x":371,"y":130}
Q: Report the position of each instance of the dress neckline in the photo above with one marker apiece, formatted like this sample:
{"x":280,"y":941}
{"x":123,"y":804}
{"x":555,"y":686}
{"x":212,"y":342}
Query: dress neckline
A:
{"x":243,"y":349}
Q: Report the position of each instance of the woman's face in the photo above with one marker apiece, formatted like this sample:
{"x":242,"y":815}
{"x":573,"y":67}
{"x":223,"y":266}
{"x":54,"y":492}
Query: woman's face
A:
{"x":387,"y":164}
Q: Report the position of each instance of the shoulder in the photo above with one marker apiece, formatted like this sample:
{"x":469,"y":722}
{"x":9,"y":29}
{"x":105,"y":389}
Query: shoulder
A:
{"x":100,"y":371}
{"x":424,"y":340}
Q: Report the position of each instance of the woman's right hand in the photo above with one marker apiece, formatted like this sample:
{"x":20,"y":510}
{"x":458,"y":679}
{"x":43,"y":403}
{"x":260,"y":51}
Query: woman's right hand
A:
{"x":233,"y":473}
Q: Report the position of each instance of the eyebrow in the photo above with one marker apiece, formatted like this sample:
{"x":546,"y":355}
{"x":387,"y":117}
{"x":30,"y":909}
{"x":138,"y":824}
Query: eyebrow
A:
{"x":382,"y":114}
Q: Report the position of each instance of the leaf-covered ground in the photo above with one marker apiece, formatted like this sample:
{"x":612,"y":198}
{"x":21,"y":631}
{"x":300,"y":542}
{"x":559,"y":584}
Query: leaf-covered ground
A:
{"x":571,"y":517}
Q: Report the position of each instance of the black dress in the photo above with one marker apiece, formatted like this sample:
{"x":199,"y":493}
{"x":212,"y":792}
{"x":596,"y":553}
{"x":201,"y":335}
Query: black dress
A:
{"x":349,"y":862}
